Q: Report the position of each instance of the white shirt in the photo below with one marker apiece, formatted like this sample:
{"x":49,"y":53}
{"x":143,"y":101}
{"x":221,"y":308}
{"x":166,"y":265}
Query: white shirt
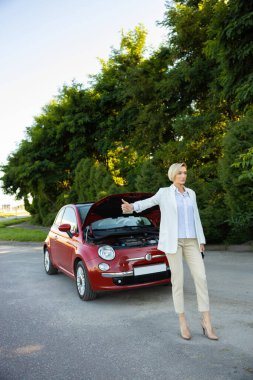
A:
{"x":185,"y":215}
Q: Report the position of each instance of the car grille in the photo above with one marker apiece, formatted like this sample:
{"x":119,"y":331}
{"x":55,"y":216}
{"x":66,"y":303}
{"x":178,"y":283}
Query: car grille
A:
{"x":133,"y":280}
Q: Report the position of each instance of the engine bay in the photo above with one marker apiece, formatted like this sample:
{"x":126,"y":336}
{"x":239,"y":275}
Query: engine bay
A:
{"x":131,"y":241}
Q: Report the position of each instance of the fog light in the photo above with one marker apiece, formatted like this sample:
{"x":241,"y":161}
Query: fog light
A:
{"x":103,"y":266}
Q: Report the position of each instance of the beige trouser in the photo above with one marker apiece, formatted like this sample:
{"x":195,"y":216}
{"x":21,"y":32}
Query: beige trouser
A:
{"x":188,"y":248}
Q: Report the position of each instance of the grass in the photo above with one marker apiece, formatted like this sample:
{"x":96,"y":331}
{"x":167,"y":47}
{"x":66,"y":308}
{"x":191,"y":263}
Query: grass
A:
{"x":11,"y":222}
{"x":20,"y":234}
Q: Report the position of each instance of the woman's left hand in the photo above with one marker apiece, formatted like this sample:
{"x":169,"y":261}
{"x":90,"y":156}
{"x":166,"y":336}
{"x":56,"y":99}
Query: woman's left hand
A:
{"x":202,"y":247}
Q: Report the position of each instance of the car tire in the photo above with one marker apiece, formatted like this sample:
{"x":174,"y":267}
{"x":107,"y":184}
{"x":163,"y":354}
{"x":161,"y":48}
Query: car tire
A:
{"x":83,"y":286}
{"x":49,"y":268}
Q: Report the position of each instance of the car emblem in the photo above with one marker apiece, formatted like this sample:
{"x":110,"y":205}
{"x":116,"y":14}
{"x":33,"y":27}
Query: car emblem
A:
{"x":148,"y":257}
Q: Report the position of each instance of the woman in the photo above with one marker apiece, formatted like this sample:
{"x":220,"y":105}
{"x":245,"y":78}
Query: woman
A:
{"x":181,"y":235}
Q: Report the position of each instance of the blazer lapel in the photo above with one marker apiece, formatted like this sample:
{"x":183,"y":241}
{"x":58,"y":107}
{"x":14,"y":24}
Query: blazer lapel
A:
{"x":172,"y":196}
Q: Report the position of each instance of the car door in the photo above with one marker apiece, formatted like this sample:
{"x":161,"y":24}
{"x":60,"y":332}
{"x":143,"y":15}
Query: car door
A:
{"x":53,"y":237}
{"x":66,"y":244}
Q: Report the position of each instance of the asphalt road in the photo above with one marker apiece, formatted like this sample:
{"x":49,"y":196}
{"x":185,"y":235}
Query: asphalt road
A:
{"x":47,"y":332}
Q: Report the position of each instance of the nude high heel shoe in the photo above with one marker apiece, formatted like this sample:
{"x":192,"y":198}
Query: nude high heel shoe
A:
{"x":208,"y":332}
{"x":184,"y":329}
{"x":185,"y":332}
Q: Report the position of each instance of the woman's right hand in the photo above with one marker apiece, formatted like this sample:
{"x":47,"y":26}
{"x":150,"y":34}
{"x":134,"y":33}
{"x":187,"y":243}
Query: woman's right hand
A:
{"x":127,"y":208}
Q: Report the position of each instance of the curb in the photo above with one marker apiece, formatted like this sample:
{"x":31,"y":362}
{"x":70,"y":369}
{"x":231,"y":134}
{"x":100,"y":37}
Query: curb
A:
{"x":232,"y":247}
{"x":22,"y":243}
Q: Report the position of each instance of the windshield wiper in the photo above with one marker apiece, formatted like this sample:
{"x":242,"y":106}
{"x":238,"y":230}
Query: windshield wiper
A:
{"x":124,"y":231}
{"x":143,"y":228}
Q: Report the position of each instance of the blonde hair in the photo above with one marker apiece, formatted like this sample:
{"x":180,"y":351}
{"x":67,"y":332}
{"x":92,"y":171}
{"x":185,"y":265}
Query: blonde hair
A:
{"x":174,"y":169}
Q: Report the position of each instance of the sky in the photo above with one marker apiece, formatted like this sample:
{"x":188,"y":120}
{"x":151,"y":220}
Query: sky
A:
{"x":46,"y":44}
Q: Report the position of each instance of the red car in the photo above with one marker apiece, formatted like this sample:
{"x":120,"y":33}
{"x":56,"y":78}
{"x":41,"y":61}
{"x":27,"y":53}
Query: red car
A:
{"x":102,"y":249}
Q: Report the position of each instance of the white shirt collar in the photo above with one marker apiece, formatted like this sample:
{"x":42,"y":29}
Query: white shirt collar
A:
{"x":176,"y":189}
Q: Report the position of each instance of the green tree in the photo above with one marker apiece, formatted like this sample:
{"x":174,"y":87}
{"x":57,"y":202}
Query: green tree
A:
{"x":92,"y":181}
{"x":150,"y":179}
{"x":230,"y":45}
{"x":245,"y":163}
{"x":42,"y":167}
{"x":238,"y":142}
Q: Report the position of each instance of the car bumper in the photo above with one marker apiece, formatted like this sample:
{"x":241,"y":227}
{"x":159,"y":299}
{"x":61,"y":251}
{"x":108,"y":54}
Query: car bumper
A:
{"x":122,"y":279}
{"x":128,"y":278}
{"x":121,"y":274}
{"x":117,"y":274}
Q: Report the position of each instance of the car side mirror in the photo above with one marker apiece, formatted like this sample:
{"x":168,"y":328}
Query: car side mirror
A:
{"x":66,"y":228}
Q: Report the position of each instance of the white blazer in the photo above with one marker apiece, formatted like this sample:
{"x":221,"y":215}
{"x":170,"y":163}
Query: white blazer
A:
{"x":168,"y":234}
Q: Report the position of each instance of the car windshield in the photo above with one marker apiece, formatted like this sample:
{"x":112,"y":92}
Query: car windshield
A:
{"x":121,"y":222}
{"x":83,"y":210}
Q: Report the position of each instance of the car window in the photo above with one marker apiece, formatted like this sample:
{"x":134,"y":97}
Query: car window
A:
{"x":120,"y":222}
{"x":58,"y":218}
{"x":69,"y":217}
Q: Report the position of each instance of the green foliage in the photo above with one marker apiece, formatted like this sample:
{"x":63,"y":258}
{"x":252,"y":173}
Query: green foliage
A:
{"x":210,"y":198}
{"x":22,"y":234}
{"x":245,"y":163}
{"x":92,"y":181}
{"x":9,"y":231}
{"x":150,"y":179}
{"x":110,"y":87}
{"x":238,"y":183}
{"x":42,"y":167}
{"x":12,"y":222}
{"x":230,"y":45}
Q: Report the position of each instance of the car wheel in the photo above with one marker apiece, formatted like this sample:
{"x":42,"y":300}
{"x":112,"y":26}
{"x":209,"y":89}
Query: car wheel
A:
{"x":49,"y":268}
{"x":83,"y":286}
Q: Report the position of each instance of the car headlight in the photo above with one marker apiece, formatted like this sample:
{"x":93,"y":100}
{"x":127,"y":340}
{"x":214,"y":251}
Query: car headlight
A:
{"x":106,"y":252}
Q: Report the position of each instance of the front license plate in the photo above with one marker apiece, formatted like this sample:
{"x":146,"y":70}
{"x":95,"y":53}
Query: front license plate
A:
{"x":138,"y":271}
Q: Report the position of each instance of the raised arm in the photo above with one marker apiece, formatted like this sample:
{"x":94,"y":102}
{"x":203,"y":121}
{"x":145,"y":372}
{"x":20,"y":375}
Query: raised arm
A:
{"x":139,"y":206}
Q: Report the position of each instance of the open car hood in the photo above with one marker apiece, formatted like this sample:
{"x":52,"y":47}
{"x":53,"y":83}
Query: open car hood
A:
{"x":110,"y":207}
